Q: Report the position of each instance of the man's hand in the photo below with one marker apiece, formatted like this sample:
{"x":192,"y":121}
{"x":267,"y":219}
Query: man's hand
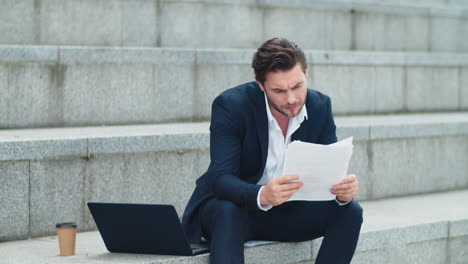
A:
{"x":278,"y":190}
{"x":347,"y":189}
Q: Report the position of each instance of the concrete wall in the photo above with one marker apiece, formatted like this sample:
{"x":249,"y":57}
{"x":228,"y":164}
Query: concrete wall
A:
{"x":50,"y":86}
{"x":40,"y":186}
{"x":349,"y":25}
{"x":38,"y":194}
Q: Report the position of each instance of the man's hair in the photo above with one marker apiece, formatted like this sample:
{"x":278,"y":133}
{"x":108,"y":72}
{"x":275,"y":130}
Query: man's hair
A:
{"x":277,"y":54}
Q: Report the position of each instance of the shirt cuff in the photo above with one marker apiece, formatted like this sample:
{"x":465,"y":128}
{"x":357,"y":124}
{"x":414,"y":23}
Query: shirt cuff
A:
{"x":262,"y":207}
{"x":342,"y":203}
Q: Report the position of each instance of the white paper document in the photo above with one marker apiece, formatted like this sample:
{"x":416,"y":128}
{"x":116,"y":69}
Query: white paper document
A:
{"x":319,"y":167}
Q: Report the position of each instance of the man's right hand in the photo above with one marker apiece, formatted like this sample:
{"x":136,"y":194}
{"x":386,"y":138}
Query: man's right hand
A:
{"x":278,"y":190}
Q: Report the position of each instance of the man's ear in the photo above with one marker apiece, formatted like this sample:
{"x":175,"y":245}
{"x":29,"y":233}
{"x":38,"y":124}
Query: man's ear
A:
{"x":261,"y":86}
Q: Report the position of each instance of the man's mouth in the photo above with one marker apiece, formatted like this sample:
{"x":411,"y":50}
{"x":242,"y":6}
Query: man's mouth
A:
{"x":291,"y":108}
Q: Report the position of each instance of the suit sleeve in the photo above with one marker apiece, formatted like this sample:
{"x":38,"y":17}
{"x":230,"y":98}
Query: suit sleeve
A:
{"x":328,"y":134}
{"x":225,"y":151}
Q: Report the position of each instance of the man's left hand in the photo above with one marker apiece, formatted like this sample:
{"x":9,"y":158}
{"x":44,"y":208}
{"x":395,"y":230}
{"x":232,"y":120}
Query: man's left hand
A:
{"x":347,"y":189}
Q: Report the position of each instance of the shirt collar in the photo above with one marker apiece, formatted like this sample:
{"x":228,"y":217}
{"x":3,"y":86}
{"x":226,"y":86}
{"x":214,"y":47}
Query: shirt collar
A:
{"x":300,"y":117}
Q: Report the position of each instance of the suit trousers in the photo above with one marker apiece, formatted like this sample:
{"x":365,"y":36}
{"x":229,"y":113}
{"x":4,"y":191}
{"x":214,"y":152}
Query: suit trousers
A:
{"x":227,"y":226}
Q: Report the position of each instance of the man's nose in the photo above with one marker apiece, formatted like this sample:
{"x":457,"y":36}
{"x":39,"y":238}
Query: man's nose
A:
{"x":291,"y":98}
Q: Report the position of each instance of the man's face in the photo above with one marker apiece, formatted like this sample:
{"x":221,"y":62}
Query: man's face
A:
{"x":286,"y":91}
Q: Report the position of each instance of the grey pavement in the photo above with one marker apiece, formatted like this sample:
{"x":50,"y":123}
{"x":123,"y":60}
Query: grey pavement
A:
{"x":419,"y":222}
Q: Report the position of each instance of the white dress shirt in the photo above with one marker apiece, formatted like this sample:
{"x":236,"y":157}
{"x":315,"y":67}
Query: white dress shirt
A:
{"x":277,"y":145}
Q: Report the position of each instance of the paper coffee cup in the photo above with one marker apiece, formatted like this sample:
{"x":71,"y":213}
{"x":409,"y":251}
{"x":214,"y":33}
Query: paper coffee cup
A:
{"x":66,"y":236}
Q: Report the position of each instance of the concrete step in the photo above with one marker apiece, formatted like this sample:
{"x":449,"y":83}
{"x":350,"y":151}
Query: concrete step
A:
{"x":410,"y":230}
{"x":82,"y":86}
{"x":423,"y":3}
{"x":48,"y":175}
{"x":345,"y":25}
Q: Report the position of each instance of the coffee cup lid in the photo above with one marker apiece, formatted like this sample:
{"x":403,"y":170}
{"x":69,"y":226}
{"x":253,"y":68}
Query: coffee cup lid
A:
{"x":66,"y":225}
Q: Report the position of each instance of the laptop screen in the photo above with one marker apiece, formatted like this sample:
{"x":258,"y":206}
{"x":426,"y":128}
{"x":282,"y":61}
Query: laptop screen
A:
{"x":140,"y":228}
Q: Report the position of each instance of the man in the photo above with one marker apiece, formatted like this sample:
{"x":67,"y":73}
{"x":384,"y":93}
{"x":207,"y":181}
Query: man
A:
{"x":243,"y":195}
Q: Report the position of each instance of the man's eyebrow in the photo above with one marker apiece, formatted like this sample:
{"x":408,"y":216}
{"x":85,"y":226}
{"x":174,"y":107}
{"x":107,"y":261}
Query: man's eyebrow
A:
{"x":297,"y":84}
{"x":275,"y":88}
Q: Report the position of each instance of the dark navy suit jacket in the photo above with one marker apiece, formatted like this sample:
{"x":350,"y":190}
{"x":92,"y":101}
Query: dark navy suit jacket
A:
{"x":239,"y":148}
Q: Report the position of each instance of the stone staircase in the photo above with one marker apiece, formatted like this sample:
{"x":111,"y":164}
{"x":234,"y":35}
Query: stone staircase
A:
{"x":82,"y":86}
{"x":421,"y":229}
{"x":415,"y":25}
{"x":109,"y":100}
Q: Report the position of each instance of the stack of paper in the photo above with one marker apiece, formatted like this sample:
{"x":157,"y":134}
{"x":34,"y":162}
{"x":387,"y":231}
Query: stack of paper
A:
{"x":319,"y":167}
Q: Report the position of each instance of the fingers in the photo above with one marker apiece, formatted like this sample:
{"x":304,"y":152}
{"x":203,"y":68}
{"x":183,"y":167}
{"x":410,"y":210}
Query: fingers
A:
{"x":286,"y":178}
{"x":343,"y":186}
{"x":279,"y":190}
{"x":287,"y":194}
{"x":346,"y":192}
{"x":347,"y":188}
{"x":284,"y":189}
{"x":349,"y":178}
{"x":290,"y":186}
{"x":344,"y":189}
{"x":347,"y":181}
{"x":346,"y":195}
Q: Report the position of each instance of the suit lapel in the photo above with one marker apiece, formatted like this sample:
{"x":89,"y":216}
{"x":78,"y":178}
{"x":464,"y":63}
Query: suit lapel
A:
{"x":262,"y":125}
{"x":300,"y":133}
